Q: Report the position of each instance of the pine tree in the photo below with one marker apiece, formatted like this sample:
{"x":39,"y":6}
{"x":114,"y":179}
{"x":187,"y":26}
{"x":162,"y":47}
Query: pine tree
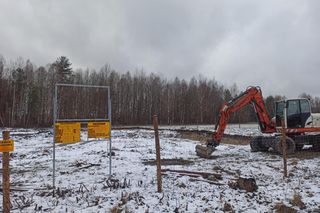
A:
{"x":63,"y":69}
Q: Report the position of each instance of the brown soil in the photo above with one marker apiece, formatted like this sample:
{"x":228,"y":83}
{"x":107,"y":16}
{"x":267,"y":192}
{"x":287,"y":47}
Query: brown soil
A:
{"x":205,"y":135}
{"x":235,"y":139}
{"x":167,"y":162}
{"x":305,"y":154}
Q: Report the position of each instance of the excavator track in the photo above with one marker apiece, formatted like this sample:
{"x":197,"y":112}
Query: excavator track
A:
{"x":302,"y":140}
{"x":262,"y":144}
{"x":294,"y":143}
{"x":257,"y":143}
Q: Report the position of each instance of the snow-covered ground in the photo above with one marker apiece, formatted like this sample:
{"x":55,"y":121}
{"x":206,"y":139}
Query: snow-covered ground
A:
{"x":82,"y":176}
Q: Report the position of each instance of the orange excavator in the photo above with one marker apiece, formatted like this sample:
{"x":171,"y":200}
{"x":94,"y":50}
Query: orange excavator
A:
{"x":297,"y":116}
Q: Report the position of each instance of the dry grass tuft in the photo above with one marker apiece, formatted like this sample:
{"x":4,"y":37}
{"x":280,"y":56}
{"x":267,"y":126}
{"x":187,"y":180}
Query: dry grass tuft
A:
{"x":227,"y":207}
{"x":297,"y":201}
{"x":282,"y":208}
{"x":116,"y":209}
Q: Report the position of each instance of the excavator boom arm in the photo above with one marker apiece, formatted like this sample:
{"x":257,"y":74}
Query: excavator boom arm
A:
{"x":252,"y":96}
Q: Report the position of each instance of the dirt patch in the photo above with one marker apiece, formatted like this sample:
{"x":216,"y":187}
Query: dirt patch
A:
{"x":194,"y":135}
{"x":205,"y":135}
{"x":236,"y":139}
{"x":168,"y":162}
{"x":305,"y":154}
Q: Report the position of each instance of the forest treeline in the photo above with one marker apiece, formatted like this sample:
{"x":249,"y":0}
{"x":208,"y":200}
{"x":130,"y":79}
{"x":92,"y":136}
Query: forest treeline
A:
{"x":26,"y":96}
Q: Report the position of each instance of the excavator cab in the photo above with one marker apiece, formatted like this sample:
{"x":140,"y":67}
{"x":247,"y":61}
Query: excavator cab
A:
{"x":297,"y":112}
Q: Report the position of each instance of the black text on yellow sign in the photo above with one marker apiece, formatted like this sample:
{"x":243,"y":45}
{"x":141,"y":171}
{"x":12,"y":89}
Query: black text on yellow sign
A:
{"x":67,"y":132}
{"x":99,"y":130}
{"x":6,"y":145}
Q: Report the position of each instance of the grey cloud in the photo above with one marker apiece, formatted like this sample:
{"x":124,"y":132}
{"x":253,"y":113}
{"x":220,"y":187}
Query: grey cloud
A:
{"x":273,"y":44}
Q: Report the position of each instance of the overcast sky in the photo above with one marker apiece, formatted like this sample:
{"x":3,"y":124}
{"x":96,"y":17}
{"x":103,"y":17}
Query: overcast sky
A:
{"x":271,"y":43}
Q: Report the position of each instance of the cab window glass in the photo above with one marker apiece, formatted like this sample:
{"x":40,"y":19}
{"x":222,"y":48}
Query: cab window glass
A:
{"x":280,"y":107}
{"x":305,"y":106}
{"x":293,"y":107}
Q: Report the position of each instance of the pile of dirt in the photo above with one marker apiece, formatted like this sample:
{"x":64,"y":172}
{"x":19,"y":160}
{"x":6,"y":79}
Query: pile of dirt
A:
{"x":202,"y":135}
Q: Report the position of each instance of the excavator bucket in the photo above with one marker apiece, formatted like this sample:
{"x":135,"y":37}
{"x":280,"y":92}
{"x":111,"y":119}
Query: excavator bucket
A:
{"x":204,"y":151}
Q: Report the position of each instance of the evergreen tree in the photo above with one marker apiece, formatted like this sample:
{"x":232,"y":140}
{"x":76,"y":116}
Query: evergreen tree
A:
{"x":63,"y":69}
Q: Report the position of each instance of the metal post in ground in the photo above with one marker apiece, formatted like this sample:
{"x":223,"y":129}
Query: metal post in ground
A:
{"x":158,"y":158}
{"x":284,"y":149}
{"x":54,"y":139}
{"x":110,"y":140}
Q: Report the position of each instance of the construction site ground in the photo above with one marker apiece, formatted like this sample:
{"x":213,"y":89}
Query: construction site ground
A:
{"x":190,"y":183}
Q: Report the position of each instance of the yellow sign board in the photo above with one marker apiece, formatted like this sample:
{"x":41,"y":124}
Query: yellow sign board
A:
{"x":99,"y":130}
{"x":67,"y":132}
{"x":6,"y":145}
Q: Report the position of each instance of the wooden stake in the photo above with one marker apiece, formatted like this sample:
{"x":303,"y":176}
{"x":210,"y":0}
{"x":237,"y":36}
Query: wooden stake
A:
{"x":158,"y":158}
{"x":6,"y":176}
{"x":284,"y":150}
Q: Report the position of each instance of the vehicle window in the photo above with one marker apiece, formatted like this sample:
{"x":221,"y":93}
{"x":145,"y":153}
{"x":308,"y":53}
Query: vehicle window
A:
{"x":305,"y":106}
{"x":293,"y":107}
{"x":279,"y":110}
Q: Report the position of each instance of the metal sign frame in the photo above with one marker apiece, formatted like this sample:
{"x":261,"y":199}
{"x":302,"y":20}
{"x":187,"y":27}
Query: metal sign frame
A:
{"x":83,"y":120}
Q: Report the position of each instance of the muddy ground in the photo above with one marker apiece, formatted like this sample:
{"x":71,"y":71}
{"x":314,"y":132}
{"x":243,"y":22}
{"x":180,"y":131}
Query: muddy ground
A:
{"x":203,"y":136}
